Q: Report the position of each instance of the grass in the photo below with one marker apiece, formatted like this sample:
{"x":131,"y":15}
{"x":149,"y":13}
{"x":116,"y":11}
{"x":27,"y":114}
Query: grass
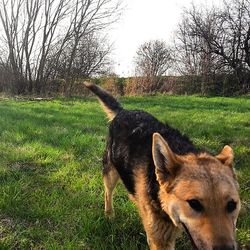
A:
{"x":51,"y":194}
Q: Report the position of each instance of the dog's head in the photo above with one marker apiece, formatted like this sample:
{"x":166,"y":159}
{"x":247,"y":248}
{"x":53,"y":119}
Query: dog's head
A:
{"x":199,"y":193}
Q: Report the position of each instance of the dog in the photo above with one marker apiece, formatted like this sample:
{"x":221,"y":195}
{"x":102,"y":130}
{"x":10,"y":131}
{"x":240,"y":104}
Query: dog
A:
{"x":174,"y":185}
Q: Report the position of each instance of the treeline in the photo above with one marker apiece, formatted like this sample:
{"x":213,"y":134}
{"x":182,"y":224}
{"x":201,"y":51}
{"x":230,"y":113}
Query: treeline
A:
{"x":50,"y":46}
{"x":211,"y":52}
{"x":46,"y":40}
{"x":214,"y":44}
{"x":137,"y":85}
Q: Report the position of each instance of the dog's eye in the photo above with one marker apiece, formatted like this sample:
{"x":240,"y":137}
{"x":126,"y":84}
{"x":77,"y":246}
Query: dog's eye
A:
{"x":231,"y":206}
{"x":195,"y":205}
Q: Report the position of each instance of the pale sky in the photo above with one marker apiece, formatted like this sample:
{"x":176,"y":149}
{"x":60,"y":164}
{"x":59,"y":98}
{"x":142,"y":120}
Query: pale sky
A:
{"x":144,"y":20}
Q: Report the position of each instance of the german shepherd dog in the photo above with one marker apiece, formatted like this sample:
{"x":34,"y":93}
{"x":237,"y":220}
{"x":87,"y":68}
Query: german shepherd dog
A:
{"x":174,"y":185}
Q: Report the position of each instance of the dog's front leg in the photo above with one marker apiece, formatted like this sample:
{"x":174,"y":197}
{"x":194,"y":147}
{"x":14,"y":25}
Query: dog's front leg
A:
{"x":161,"y":234}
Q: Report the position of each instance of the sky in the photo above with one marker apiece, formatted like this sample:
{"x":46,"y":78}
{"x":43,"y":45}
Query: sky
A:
{"x":144,"y":20}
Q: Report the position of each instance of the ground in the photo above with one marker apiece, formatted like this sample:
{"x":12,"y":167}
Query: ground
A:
{"x":50,"y":168}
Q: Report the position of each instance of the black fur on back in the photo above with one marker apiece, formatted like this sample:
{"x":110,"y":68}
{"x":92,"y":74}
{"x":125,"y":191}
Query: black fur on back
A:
{"x":129,"y":143}
{"x":130,"y":146}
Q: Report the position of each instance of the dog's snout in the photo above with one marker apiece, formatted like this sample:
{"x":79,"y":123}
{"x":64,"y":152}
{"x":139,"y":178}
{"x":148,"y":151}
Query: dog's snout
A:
{"x":224,"y":247}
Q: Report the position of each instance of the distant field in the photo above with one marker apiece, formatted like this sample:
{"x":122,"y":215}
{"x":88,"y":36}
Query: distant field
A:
{"x":51,"y":194}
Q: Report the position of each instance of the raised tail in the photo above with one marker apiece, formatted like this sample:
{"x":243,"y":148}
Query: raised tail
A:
{"x":110,"y":105}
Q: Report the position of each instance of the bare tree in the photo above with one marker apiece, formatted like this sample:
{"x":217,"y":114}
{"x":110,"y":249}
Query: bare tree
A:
{"x":92,"y":58}
{"x":6,"y":77}
{"x":153,"y":58}
{"x":152,"y":61}
{"x":224,"y":34}
{"x":87,"y":19}
{"x":193,"y":57}
{"x":31,"y":29}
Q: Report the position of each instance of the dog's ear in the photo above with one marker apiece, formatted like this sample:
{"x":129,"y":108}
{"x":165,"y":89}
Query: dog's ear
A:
{"x":165,"y":161}
{"x":226,"y":156}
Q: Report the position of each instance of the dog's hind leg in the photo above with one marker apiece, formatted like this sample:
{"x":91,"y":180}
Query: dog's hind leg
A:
{"x":110,"y":179}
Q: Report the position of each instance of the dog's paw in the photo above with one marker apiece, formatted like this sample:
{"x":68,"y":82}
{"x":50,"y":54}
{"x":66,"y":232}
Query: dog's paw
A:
{"x":109,"y":214}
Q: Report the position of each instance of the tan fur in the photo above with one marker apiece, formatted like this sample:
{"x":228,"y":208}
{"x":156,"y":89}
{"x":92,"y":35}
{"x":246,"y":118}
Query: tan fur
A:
{"x":226,"y":156}
{"x":87,"y":84}
{"x":161,"y":233}
{"x":208,"y":179}
{"x":110,"y":180}
{"x":110,"y":113}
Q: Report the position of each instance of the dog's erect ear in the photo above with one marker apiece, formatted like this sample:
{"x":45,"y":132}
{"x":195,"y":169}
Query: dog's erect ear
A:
{"x":164,"y":159}
{"x":226,"y":156}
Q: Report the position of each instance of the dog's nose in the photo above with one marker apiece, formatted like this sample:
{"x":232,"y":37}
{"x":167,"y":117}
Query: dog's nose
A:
{"x":224,"y":247}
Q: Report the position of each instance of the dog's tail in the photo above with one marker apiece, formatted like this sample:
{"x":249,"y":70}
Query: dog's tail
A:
{"x":110,"y":105}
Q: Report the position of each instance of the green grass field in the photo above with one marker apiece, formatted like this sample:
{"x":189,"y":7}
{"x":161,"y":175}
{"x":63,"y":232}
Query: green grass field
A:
{"x":51,"y":194}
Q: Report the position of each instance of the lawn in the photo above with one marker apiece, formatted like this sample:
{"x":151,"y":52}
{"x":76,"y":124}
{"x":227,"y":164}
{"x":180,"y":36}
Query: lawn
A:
{"x":51,"y":194}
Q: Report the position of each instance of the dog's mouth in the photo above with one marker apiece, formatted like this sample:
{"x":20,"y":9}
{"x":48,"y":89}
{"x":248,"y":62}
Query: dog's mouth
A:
{"x":190,"y":236}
